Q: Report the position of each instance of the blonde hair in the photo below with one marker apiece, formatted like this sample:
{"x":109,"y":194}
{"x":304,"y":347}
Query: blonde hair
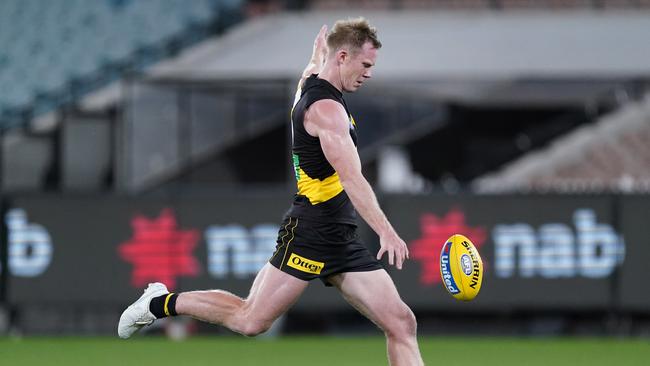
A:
{"x":354,"y":33}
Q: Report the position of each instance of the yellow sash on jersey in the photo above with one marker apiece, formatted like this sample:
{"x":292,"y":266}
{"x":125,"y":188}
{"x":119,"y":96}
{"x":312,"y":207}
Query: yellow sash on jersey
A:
{"x":317,"y":190}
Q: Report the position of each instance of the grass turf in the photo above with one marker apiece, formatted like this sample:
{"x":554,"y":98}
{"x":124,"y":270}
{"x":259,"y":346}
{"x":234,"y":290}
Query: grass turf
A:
{"x":318,"y":351}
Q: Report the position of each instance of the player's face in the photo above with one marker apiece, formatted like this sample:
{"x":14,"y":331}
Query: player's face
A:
{"x":358,"y":68}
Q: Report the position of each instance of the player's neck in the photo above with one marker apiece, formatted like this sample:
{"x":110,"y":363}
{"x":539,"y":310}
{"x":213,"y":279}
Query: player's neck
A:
{"x":332,"y":75}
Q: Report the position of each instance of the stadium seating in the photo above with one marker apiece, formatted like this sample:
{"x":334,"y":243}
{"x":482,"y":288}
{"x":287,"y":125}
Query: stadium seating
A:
{"x":610,"y":155}
{"x":46,"y":45}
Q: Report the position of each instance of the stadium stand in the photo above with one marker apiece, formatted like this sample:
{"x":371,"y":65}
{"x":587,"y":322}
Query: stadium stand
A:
{"x":55,"y":51}
{"x":483,"y":68}
{"x":610,"y":155}
{"x":467,"y":59}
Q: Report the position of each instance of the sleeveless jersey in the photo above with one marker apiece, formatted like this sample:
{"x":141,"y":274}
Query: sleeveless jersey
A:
{"x":320,"y":195}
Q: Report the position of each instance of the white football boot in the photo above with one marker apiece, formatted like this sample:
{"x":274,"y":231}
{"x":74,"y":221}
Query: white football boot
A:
{"x":137,"y":315}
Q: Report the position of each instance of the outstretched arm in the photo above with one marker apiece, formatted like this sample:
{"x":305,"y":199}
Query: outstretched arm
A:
{"x":317,"y":59}
{"x":327,"y":120}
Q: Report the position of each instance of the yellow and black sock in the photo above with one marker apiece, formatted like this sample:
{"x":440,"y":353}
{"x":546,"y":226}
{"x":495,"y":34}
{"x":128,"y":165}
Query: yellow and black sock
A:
{"x":163,"y":306}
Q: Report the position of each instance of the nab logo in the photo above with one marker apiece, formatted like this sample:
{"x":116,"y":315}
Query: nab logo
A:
{"x":238,"y":251}
{"x":159,"y":250}
{"x":555,"y":250}
{"x":30,"y":245}
{"x":434,"y":233}
{"x":304,"y":265}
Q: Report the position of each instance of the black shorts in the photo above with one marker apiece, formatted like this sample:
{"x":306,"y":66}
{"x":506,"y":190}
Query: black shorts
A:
{"x":308,"y":250}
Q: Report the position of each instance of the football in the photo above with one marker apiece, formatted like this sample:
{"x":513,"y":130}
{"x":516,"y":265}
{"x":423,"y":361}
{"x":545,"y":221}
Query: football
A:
{"x":461,"y":268}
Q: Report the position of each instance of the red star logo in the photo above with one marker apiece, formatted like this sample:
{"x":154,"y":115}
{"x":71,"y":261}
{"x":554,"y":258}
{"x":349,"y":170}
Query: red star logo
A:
{"x":159,"y":251}
{"x":434,"y":233}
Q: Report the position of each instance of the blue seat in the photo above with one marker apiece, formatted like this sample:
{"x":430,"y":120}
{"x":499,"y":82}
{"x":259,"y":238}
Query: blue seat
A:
{"x":45,"y":44}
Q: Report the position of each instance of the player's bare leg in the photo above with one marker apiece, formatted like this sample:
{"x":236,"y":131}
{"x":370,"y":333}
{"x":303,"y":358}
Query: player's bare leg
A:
{"x":375,"y":296}
{"x":272,"y":293}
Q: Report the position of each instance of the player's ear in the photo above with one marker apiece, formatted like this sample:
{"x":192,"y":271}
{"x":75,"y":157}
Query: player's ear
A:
{"x":341,"y":56}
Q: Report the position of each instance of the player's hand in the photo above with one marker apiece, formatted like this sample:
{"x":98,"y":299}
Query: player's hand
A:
{"x":320,"y":49}
{"x":396,"y":248}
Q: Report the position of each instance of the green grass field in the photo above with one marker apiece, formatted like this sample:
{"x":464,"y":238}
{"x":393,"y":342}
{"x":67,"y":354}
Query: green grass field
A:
{"x":318,"y":351}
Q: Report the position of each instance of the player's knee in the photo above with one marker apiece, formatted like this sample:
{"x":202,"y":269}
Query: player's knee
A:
{"x":246,"y":322}
{"x":402,"y":323}
{"x":255,"y":327}
{"x":411,"y":323}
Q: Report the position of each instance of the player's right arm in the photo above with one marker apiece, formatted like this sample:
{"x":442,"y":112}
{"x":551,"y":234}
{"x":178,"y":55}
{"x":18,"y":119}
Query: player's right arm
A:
{"x":317,"y":59}
{"x":327,"y":120}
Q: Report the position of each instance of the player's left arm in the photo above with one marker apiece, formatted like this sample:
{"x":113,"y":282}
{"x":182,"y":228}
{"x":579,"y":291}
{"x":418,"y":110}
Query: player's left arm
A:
{"x":327,"y":120}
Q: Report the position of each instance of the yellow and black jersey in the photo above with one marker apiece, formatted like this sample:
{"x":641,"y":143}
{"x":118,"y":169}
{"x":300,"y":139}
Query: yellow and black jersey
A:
{"x":320,"y":195}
